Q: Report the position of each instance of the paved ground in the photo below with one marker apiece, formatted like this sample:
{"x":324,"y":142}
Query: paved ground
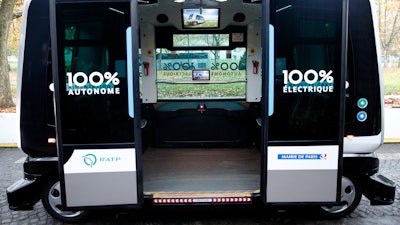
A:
{"x":11,"y":160}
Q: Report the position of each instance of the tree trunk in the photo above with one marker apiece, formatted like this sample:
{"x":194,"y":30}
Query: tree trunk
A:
{"x":6,"y":13}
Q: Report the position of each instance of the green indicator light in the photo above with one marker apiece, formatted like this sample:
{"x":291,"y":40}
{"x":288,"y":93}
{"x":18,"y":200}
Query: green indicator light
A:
{"x":362,"y":103}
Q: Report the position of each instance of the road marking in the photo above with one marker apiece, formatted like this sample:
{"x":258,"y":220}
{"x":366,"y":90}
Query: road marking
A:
{"x":392,"y":140}
{"x":21,"y":160}
{"x":8,"y":145}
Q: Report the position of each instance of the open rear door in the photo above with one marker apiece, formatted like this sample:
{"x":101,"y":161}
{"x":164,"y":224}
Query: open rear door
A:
{"x":98,"y":130}
{"x":303,"y":136}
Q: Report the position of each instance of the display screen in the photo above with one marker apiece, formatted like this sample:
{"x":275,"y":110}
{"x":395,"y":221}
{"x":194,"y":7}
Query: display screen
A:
{"x":200,"y":75}
{"x":200,"y":18}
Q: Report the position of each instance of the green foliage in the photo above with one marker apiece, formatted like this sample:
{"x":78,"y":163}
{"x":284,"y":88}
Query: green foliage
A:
{"x":243,"y":61}
{"x":391,"y":80}
{"x":13,"y":66}
{"x":201,"y":90}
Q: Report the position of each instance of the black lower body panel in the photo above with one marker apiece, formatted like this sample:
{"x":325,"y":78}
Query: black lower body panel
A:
{"x":380,"y":190}
{"x":24,"y":194}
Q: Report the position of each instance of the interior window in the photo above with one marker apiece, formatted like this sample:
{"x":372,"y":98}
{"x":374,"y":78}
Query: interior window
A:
{"x":200,"y":40}
{"x":207,"y":74}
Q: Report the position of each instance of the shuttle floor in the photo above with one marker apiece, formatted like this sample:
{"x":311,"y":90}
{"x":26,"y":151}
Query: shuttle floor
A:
{"x":201,"y":170}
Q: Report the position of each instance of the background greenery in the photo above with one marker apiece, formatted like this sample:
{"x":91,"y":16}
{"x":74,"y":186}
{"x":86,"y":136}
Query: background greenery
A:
{"x":391,"y":80}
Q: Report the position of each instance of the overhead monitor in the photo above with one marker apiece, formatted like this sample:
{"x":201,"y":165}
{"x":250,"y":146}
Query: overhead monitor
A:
{"x":200,"y":18}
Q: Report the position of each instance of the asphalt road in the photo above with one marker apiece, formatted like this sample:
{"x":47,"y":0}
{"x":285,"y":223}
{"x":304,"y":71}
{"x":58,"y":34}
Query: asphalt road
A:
{"x":11,"y":160}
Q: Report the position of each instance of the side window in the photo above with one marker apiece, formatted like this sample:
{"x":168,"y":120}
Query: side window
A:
{"x":94,"y":94}
{"x":307,"y":66}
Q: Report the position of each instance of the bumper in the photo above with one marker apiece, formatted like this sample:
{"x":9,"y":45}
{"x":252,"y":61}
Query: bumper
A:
{"x":380,"y":190}
{"x":24,"y":194}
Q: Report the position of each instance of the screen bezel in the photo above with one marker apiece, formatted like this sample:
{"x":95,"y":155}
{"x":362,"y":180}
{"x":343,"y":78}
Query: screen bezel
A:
{"x":187,"y":11}
{"x":203,"y":77}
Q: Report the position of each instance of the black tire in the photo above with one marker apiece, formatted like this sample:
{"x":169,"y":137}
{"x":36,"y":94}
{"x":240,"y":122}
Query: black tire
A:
{"x":351,"y":194}
{"x":51,"y":199}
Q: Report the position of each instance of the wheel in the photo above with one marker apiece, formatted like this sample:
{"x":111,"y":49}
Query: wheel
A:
{"x":350,"y":197}
{"x":51,"y":199}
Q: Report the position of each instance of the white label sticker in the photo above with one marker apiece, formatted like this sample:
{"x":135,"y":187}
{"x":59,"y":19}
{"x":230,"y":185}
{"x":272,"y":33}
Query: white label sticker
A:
{"x":101,"y":160}
{"x":303,"y":157}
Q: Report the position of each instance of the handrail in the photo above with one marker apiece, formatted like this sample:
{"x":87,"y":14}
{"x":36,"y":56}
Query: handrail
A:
{"x":130,"y":78}
{"x":271,"y":92}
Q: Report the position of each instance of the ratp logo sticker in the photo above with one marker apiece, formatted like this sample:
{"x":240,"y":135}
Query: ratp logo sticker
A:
{"x":101,"y":160}
{"x":89,"y":160}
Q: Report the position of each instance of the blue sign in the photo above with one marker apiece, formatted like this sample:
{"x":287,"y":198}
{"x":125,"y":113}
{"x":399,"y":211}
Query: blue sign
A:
{"x":302,"y":156}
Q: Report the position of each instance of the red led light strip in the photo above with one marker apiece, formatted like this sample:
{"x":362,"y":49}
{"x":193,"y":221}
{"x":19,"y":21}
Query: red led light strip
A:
{"x":201,"y":200}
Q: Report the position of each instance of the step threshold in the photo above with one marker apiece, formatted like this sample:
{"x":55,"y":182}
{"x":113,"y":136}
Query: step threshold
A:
{"x":242,"y":196}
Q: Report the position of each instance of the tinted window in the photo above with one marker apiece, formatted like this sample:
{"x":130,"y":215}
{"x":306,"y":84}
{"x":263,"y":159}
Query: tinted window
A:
{"x":92,"y":62}
{"x":307,"y":70}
